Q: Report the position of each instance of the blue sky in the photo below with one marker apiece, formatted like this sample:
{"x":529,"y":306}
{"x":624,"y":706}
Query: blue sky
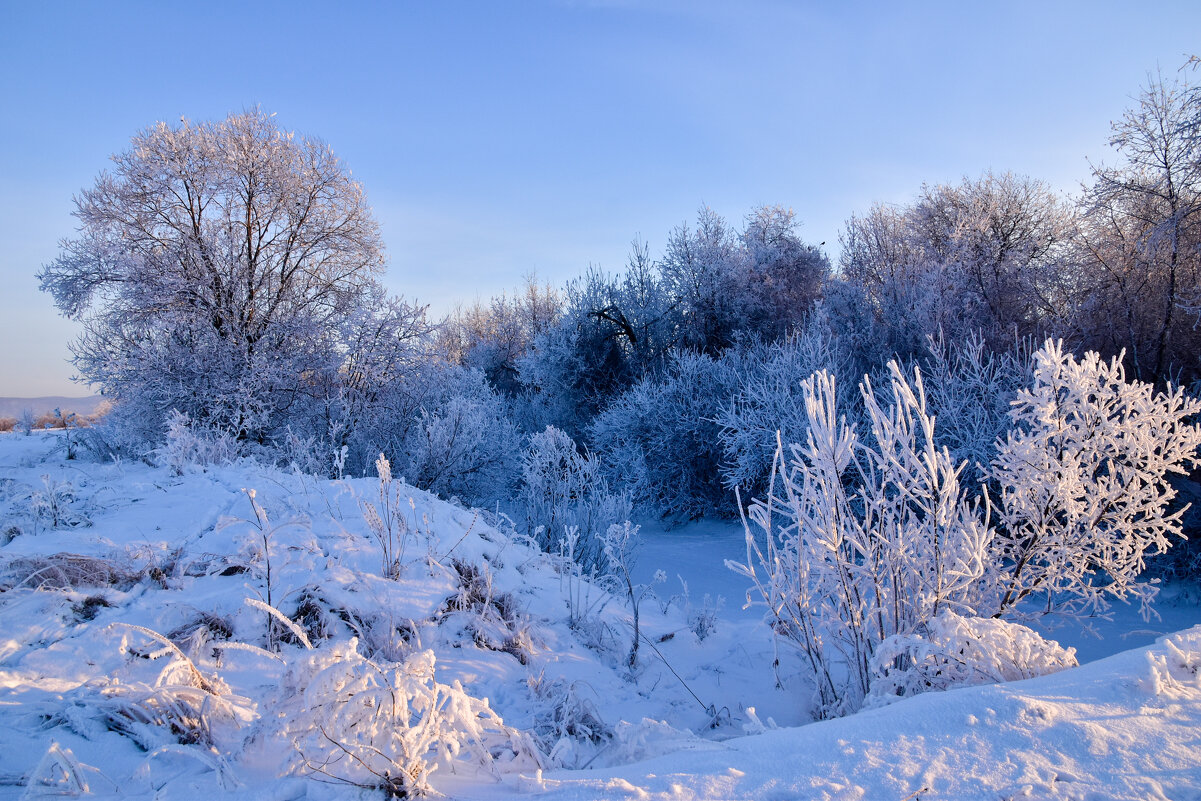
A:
{"x":495,"y":139}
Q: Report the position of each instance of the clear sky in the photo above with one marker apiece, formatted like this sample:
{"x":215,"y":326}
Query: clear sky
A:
{"x":499,"y":138}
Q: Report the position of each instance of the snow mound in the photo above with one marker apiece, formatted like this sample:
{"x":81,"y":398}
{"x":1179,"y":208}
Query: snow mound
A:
{"x":1123,"y":728}
{"x":956,"y":651}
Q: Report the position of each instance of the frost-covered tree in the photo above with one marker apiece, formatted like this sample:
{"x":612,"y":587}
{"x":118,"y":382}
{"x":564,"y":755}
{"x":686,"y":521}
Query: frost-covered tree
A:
{"x":385,"y":343}
{"x":615,"y":330}
{"x":493,"y":336}
{"x":785,"y":276}
{"x":990,"y":255}
{"x":212,"y":264}
{"x":1140,"y":238}
{"x":703,"y":272}
{"x":1083,"y":482}
{"x":585,"y":360}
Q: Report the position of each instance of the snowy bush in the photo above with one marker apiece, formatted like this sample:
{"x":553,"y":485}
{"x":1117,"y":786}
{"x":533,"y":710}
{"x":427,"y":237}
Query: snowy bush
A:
{"x":1083,"y":482}
{"x":970,"y":391}
{"x":260,"y":552}
{"x":864,"y":540}
{"x":66,"y":571}
{"x":492,"y":618}
{"x":192,"y":445}
{"x":620,"y":543}
{"x":551,"y":373}
{"x":582,"y":591}
{"x":58,"y":505}
{"x":955,"y":651}
{"x":390,"y":726}
{"x":569,"y":726}
{"x":562,"y":489}
{"x":660,"y":439}
{"x":702,"y":619}
{"x":768,"y":400}
{"x":464,"y":446}
{"x":868,"y":543}
{"x":25,"y":421}
{"x":307,"y":454}
{"x":383,"y":417}
{"x":127,"y":430}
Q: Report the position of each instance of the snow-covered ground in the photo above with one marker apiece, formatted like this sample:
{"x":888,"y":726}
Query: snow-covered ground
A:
{"x":100,"y":557}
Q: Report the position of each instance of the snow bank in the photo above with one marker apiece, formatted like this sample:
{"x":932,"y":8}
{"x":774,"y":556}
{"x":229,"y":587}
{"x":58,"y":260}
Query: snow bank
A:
{"x":1125,"y":727}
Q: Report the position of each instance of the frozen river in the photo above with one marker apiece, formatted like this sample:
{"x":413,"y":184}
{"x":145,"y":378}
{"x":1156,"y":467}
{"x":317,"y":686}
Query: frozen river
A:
{"x":697,"y":552}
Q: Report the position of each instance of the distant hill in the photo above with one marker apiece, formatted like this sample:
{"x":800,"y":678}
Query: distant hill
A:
{"x":12,"y":407}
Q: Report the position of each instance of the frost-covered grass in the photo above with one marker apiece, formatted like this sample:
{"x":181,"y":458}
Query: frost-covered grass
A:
{"x":192,"y":639}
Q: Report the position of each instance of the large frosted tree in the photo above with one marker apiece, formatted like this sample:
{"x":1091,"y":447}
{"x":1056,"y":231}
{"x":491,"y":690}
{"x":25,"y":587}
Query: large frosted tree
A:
{"x":1141,"y":238}
{"x":989,"y":256}
{"x":213,"y":267}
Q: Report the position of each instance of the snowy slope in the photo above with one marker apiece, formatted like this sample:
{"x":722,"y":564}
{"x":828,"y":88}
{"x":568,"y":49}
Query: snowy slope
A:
{"x":93,"y":551}
{"x":1126,"y":727}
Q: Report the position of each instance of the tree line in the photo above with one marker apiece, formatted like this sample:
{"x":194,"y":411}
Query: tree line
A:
{"x":227,"y":278}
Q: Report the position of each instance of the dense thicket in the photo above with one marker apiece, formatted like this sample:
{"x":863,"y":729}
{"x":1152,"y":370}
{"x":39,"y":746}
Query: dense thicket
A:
{"x":225,"y":275}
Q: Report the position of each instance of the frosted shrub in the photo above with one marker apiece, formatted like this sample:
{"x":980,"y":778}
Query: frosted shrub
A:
{"x":660,"y":438}
{"x":701,"y":620}
{"x":389,"y":725}
{"x":192,"y":445}
{"x":259,"y":546}
{"x":385,"y":521}
{"x":569,"y":726}
{"x":494,"y":619}
{"x":971,"y":390}
{"x":552,"y":376}
{"x":57,"y":504}
{"x":582,"y":590}
{"x":69,"y":423}
{"x":768,"y":400}
{"x":25,"y":421}
{"x":864,"y":540}
{"x":1083,"y":481}
{"x":128,"y":429}
{"x":464,"y":447}
{"x":869,"y":543}
{"x":954,"y":651}
{"x":67,"y":571}
{"x":302,"y":453}
{"x":561,"y":489}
